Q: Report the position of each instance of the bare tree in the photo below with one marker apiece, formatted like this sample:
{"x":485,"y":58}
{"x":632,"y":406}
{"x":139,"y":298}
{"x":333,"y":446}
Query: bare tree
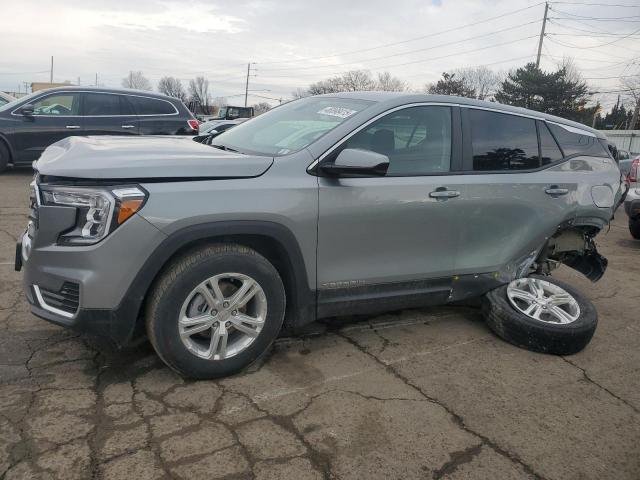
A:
{"x":172,"y":87}
{"x":388,"y":83}
{"x":260,"y":108}
{"x":632,"y":85}
{"x":136,"y":80}
{"x":199,"y":91}
{"x":357,"y":80}
{"x":330,"y":85}
{"x":299,"y":93}
{"x":482,"y":80}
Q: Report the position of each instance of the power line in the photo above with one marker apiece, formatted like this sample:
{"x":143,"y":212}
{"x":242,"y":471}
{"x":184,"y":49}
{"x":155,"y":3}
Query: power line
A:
{"x":403,"y":53}
{"x":558,"y":42}
{"x":586,"y":17}
{"x":402,"y":41}
{"x":605,"y":44}
{"x":418,"y":61}
{"x":595,"y":4}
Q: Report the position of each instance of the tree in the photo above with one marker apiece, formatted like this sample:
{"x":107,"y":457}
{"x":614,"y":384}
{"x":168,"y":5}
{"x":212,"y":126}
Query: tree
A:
{"x":352,"y":81}
{"x":299,"y":93}
{"x":562,"y":93}
{"x":136,"y":80}
{"x":632,"y":85}
{"x":450,"y":85}
{"x":260,"y":108}
{"x":483,"y":81}
{"x":388,"y":83}
{"x":172,"y":87}
{"x":199,"y":94}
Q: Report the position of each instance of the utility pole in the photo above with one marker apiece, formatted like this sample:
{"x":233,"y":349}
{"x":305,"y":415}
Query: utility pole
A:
{"x":246,"y":86}
{"x":51,"y":71}
{"x":544,"y":24}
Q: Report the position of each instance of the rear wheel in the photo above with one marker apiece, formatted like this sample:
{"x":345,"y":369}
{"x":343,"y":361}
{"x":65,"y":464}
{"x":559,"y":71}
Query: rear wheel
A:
{"x":4,"y":157}
{"x":634,"y":227}
{"x":541,"y":314}
{"x":215,"y":310}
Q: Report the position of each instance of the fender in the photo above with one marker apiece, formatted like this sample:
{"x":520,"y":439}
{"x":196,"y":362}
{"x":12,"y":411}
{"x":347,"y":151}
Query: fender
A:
{"x":12,"y":152}
{"x":300,"y":301}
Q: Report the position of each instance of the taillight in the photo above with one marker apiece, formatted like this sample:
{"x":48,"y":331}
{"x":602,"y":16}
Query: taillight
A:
{"x":633,"y":173}
{"x":193,"y":123}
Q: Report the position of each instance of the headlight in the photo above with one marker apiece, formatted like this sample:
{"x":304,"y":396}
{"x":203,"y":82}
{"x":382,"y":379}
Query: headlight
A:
{"x":100,"y":210}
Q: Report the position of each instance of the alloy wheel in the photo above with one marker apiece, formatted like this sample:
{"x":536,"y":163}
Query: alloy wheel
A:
{"x":222,"y":316}
{"x":543,"y":301}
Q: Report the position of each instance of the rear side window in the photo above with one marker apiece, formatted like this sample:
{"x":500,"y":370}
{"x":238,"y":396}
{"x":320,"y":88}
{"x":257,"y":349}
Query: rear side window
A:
{"x":548,"y":146}
{"x":501,"y":141}
{"x":152,"y":106}
{"x":97,"y":104}
{"x":574,"y":143}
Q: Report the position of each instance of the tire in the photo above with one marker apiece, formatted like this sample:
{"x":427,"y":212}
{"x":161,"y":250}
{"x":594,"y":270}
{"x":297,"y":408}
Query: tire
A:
{"x":175,"y":286}
{"x":634,"y":227}
{"x":4,"y":157}
{"x":523,"y":331}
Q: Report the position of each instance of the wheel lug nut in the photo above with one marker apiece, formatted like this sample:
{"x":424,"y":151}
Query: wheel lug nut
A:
{"x":234,"y":313}
{"x":225,"y":304}
{"x":214,"y":313}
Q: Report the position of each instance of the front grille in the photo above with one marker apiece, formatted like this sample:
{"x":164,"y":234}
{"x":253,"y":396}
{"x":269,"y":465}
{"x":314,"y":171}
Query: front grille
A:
{"x":66,"y":299}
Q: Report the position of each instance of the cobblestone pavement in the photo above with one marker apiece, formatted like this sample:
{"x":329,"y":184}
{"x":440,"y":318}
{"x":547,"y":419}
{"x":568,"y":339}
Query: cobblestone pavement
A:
{"x":425,"y":393}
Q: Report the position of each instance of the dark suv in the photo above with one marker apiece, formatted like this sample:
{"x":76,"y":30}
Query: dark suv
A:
{"x":32,"y":123}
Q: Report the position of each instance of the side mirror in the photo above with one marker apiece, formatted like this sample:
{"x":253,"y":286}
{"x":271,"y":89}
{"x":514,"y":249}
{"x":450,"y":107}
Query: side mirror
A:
{"x":356,"y":162}
{"x":27,"y":110}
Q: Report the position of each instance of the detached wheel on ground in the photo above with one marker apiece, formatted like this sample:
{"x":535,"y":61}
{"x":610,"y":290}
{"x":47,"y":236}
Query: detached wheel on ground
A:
{"x":215,"y":310}
{"x":4,"y":157}
{"x":541,"y":314}
{"x":634,"y":227}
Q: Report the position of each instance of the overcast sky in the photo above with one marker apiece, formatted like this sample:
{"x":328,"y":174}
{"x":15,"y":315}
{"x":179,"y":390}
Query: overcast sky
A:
{"x":294,"y":43}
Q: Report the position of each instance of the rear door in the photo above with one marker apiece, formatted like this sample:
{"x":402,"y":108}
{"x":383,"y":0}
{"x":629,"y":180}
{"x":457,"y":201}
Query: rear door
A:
{"x":513,"y":198}
{"x":55,"y":116}
{"x":158,"y":116}
{"x":386,"y":238}
{"x":108,"y":114}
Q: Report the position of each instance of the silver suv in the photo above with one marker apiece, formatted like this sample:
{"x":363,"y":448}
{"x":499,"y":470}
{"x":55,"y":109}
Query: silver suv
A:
{"x":331,"y":205}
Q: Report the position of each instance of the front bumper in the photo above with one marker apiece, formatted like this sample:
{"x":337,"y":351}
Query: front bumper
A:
{"x":86,"y":288}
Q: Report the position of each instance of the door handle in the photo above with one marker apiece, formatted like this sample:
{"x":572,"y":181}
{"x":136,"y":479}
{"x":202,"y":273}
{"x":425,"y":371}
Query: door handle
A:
{"x":555,"y":190}
{"x":128,"y":126}
{"x":73,"y":127}
{"x":444,"y":194}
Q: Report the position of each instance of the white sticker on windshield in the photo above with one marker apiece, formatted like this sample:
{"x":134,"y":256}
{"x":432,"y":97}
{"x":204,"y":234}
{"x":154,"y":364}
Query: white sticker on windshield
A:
{"x":339,"y":112}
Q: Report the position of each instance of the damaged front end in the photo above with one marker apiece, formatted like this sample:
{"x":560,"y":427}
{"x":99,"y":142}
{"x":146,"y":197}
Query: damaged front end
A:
{"x":576,"y":248}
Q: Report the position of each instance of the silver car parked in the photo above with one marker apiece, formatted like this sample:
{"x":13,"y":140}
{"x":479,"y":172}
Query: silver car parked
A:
{"x":331,"y":205}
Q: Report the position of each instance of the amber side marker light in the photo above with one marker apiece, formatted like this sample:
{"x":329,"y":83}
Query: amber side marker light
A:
{"x":128,"y":208}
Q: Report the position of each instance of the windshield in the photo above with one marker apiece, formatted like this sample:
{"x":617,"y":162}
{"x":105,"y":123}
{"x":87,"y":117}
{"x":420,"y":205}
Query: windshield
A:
{"x":292,"y":126}
{"x":13,"y":104}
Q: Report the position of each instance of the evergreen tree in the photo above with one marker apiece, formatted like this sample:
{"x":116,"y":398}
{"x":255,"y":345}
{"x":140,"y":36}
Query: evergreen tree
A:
{"x":560,"y":93}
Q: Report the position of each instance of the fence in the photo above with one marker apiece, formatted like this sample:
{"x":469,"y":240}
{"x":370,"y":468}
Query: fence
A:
{"x":628,"y":140}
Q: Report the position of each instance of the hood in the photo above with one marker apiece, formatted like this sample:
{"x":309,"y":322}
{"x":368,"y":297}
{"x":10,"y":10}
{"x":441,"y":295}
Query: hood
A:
{"x":145,"y":157}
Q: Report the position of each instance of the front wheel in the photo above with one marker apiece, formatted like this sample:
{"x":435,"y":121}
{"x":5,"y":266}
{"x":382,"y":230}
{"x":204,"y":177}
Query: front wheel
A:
{"x":541,"y":314}
{"x":215,"y":310}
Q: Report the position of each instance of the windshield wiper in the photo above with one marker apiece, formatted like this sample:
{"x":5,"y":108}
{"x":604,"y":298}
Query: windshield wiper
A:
{"x":225,"y":148}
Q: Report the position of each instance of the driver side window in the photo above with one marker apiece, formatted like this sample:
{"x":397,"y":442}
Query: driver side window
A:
{"x":62,"y":104}
{"x":417,"y":140}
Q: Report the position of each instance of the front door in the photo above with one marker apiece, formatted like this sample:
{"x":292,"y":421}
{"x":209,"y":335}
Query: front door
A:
{"x":55,"y":117}
{"x":391,"y":236}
